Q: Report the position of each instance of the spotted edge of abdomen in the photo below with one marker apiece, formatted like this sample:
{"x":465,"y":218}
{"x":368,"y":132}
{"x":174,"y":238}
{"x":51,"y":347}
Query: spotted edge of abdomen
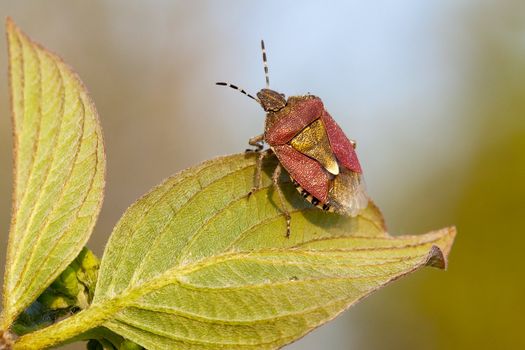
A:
{"x":316,"y":202}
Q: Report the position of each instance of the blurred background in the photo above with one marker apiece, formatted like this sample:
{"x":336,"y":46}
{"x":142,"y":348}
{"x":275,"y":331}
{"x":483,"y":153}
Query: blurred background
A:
{"x":433,"y":92}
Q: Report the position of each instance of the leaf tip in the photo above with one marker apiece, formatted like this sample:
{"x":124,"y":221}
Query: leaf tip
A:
{"x":12,"y":30}
{"x":10,"y":24}
{"x":438,"y":254}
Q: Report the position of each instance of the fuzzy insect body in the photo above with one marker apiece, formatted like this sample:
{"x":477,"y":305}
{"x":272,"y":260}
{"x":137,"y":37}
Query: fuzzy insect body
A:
{"x":312,"y":148}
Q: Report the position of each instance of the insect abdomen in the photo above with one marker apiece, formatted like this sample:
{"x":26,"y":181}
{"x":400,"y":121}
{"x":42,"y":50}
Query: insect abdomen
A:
{"x":316,"y":202}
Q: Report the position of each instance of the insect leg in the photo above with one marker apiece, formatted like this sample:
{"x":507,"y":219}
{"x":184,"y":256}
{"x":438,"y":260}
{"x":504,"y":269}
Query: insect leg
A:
{"x":256,"y":141}
{"x":275,"y":179}
{"x":257,"y":178}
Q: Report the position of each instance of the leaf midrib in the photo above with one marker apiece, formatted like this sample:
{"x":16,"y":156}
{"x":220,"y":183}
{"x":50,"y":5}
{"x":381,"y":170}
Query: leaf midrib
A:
{"x":175,"y":275}
{"x":198,"y":317}
{"x":47,"y":222}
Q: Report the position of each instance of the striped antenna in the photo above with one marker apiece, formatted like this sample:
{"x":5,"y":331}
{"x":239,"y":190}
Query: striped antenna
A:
{"x":235,"y":87}
{"x":265,"y":62}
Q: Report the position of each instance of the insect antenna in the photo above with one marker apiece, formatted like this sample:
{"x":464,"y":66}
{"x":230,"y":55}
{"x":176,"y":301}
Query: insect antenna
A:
{"x":235,"y":87}
{"x":265,"y":62}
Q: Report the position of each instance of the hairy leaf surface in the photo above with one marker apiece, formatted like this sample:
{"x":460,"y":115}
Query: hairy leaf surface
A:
{"x":197,"y":264}
{"x":59,"y":171}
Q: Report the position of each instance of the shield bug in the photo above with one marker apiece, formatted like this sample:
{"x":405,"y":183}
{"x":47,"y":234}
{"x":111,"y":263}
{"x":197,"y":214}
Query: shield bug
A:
{"x":311,"y":147}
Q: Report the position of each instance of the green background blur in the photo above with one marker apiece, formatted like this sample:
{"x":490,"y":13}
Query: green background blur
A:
{"x":433,"y":92}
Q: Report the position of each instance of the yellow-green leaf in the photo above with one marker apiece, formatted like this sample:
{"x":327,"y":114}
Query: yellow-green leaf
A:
{"x":59,"y":171}
{"x":198,"y":264}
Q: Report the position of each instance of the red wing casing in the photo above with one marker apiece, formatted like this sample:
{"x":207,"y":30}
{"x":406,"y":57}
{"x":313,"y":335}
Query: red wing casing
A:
{"x":283,"y":125}
{"x":308,"y":172}
{"x":341,"y":146}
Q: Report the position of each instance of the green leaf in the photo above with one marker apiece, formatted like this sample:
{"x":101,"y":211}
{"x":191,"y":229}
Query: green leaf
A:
{"x":59,"y":171}
{"x":197,"y":264}
{"x":71,"y":292}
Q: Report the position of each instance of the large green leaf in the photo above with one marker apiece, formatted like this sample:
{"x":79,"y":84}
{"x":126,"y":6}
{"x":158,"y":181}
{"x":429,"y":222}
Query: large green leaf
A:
{"x":59,"y":171}
{"x":197,"y":264}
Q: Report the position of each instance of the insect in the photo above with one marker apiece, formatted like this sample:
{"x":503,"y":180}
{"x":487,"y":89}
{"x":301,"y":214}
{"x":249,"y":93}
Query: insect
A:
{"x":311,"y":147}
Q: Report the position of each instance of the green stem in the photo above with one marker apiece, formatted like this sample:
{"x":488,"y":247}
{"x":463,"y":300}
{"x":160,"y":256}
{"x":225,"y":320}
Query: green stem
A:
{"x":65,"y":330}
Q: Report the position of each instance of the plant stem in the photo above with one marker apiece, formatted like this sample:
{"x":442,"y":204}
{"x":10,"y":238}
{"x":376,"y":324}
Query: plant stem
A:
{"x":66,"y":329}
